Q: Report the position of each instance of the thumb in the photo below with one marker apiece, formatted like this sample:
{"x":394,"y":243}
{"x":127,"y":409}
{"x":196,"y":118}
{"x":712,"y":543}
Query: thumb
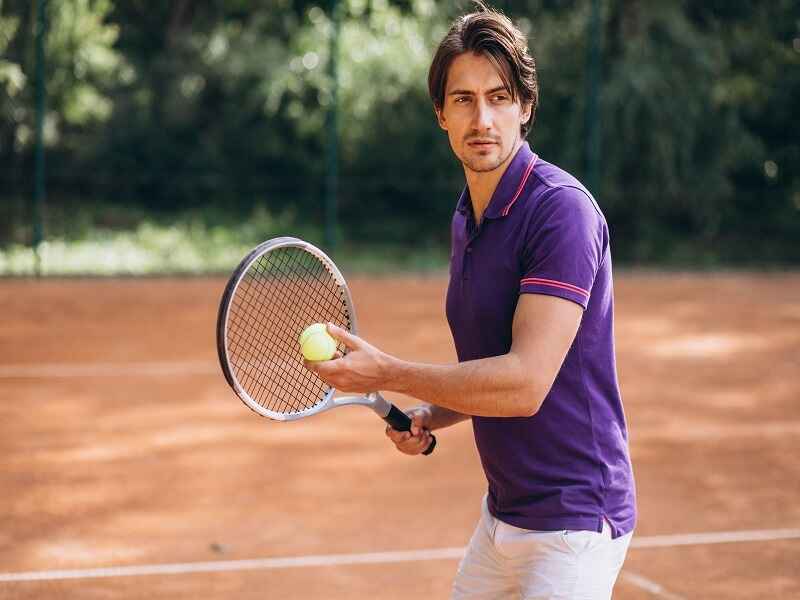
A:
{"x":417,"y":424}
{"x":344,"y":336}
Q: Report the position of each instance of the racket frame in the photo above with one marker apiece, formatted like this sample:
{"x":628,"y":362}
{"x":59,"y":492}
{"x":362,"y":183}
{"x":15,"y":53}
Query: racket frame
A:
{"x":373,"y":400}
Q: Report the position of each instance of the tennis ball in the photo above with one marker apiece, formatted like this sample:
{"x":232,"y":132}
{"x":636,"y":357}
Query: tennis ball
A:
{"x":318,"y":345}
{"x":315,"y":328}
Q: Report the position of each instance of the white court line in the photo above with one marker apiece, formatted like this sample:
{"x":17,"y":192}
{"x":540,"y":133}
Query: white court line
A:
{"x":717,"y":537}
{"x":373,"y":557}
{"x":44,"y":371}
{"x":323,"y":560}
{"x":648,"y":585}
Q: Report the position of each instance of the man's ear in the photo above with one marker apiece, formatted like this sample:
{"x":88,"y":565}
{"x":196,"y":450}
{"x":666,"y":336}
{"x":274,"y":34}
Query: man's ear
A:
{"x":526,"y":112}
{"x":440,"y":117}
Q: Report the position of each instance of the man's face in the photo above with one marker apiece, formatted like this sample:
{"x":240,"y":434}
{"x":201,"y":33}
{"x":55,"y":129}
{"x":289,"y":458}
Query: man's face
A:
{"x":481,"y":120}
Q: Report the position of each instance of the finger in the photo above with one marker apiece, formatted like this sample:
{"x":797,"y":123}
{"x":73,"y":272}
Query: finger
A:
{"x":321,"y":367}
{"x":398,"y":437}
{"x":415,"y":445}
{"x":316,"y":368}
{"x":325,"y":371}
{"x":420,"y":439}
{"x":418,"y":420}
{"x":414,"y":442}
{"x":344,"y":336}
{"x":392,"y":430}
{"x":423,"y":444}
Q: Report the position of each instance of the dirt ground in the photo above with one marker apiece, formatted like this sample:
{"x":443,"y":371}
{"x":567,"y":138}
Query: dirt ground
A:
{"x":121,"y":444}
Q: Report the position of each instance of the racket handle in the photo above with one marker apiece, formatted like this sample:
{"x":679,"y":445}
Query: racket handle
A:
{"x":400,"y":421}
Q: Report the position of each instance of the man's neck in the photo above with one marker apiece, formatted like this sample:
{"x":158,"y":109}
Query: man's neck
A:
{"x":482,"y":184}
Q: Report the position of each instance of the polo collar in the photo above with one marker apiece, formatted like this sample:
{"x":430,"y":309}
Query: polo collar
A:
{"x":508,"y":189}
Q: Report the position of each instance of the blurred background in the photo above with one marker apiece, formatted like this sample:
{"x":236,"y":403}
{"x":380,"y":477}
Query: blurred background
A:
{"x":170,"y":137}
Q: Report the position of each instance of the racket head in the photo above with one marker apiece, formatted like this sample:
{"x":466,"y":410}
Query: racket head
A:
{"x":277,"y":290}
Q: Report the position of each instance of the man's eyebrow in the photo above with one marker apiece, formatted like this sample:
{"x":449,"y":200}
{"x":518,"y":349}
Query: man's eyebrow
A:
{"x":500,"y":88}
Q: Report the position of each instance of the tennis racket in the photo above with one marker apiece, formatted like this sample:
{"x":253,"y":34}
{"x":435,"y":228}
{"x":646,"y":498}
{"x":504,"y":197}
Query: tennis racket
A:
{"x":279,"y":288}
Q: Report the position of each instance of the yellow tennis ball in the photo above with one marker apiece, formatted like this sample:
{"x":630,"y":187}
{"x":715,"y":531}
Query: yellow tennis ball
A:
{"x":319,"y":346}
{"x":314,"y":328}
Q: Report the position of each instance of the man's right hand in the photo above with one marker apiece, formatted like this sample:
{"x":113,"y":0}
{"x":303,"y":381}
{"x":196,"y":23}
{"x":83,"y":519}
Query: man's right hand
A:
{"x":418,"y":439}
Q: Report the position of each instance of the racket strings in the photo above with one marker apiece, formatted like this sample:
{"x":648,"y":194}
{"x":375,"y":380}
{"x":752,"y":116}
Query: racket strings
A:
{"x":248,"y":339}
{"x":262,"y":383}
{"x":282,"y":292}
{"x":263,"y":367}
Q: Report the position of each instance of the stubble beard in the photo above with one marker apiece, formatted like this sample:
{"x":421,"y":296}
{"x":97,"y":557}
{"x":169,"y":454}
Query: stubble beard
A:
{"x":476,"y":166}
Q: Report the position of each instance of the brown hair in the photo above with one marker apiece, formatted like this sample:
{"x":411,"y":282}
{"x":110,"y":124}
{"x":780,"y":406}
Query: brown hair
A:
{"x":492,"y":34}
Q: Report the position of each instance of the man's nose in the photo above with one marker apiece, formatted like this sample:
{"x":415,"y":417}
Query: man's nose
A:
{"x":482,"y":117}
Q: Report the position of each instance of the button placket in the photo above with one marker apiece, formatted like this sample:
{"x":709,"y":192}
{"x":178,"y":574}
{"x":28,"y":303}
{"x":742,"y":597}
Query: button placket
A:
{"x":473,"y":231}
{"x":467,"y":263}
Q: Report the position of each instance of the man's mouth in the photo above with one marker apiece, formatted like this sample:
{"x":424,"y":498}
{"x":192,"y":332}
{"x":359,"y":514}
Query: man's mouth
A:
{"x":481,"y":143}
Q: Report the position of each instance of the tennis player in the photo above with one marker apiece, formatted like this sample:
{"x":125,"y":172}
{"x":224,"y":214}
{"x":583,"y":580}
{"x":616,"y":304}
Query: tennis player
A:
{"x":530,"y":307}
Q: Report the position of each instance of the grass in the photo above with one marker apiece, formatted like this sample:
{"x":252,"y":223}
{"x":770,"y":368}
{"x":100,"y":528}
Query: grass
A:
{"x":98,"y":241}
{"x":192,"y":246}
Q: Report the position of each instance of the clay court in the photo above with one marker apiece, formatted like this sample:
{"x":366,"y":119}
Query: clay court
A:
{"x":130,"y":470}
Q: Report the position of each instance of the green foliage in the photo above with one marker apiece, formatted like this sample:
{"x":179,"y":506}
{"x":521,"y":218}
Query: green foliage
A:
{"x":82,"y":62}
{"x":690,"y":167}
{"x":195,"y":243}
{"x":161,"y":110}
{"x":102,"y":244}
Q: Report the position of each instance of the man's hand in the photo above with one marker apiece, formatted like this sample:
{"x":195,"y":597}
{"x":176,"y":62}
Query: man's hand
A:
{"x":418,"y":439}
{"x":363,"y":369}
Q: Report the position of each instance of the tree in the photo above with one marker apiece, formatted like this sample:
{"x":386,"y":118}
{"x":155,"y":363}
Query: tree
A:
{"x":80,"y":60}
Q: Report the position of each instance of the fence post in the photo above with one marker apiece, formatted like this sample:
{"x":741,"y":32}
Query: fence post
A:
{"x":593,"y":60}
{"x":332,"y":129}
{"x":39,"y":177}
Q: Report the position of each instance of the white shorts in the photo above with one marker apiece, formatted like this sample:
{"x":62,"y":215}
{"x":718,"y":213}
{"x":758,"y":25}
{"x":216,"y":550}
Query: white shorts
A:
{"x":505,"y":562}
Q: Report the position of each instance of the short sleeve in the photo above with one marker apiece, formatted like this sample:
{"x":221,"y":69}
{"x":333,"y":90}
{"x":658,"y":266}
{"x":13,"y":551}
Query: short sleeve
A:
{"x":565,"y":243}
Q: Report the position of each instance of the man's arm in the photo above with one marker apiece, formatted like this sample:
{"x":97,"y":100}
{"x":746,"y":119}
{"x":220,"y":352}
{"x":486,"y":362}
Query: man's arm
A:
{"x":441,"y":417}
{"x":424,"y":419}
{"x":511,"y":385}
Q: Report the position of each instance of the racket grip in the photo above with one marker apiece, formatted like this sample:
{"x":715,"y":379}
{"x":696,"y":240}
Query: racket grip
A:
{"x":400,"y":421}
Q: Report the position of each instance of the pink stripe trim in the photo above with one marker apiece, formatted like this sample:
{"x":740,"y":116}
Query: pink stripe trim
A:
{"x":558,"y":284}
{"x":521,"y":185}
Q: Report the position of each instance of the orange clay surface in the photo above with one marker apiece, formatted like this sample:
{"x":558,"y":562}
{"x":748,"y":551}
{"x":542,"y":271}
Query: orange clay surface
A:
{"x":121,"y":444}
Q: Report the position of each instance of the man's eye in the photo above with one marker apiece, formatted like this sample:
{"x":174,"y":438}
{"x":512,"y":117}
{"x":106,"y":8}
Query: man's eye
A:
{"x":462,"y":99}
{"x":500,"y":98}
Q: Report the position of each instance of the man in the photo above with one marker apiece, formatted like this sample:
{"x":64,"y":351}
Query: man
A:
{"x":530,"y":307}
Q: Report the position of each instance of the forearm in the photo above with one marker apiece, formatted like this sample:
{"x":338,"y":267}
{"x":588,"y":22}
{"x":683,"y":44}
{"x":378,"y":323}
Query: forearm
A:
{"x":499,"y":386}
{"x":511,"y":385}
{"x":443,"y":417}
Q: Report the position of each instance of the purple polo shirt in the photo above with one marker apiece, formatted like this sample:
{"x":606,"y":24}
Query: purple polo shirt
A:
{"x":567,"y":466}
